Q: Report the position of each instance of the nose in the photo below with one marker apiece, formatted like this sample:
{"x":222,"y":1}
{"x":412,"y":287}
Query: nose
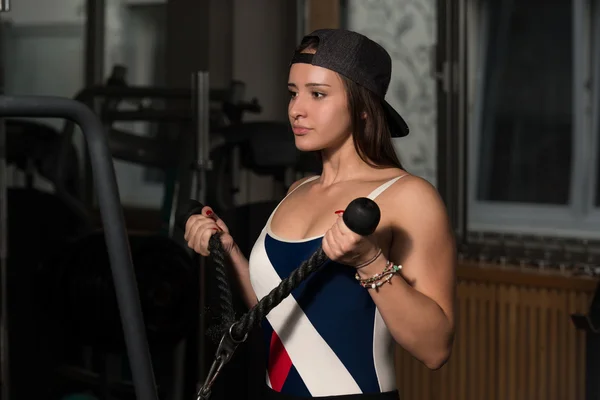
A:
{"x":296,"y":108}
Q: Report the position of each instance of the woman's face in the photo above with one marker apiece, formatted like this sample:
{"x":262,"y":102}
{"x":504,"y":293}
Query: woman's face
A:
{"x":318,"y":108}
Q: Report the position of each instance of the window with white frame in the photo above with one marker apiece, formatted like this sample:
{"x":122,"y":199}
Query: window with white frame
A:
{"x":534,"y":117}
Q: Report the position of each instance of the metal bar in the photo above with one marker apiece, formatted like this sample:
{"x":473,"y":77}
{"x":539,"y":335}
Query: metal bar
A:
{"x":201,"y":112}
{"x":4,"y":356}
{"x":112,"y":219}
{"x":451,"y":73}
{"x":462,"y":140}
{"x":93,"y":74}
{"x":4,"y":334}
{"x":168,"y":115}
{"x":202,"y":122}
{"x":135,"y":92}
{"x":582,"y":149}
{"x":446,"y":116}
{"x":595,"y":306}
{"x":94,"y":41}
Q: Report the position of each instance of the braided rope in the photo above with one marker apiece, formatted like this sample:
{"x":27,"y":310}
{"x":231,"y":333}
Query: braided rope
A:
{"x":251,"y":318}
{"x":226,"y":315}
{"x":276,"y":296}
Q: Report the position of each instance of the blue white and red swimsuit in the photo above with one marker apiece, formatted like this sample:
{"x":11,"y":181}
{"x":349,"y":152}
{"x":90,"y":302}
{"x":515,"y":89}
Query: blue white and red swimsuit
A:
{"x":327,"y":338}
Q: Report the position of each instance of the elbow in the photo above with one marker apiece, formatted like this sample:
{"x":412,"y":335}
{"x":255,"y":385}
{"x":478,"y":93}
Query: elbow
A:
{"x":437,"y":360}
{"x":439,"y":355}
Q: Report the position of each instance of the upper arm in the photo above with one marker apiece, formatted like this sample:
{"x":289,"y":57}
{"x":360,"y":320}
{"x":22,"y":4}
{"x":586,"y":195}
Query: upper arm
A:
{"x":423,"y":242}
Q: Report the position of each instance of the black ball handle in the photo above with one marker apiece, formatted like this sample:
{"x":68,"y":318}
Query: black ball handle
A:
{"x":362,"y":216}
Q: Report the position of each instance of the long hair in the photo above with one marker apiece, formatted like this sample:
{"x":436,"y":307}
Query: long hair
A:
{"x":371,"y":135}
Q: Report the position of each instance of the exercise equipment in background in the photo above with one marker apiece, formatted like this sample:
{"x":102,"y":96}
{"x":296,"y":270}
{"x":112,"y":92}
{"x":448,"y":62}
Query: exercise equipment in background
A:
{"x":83,"y":297}
{"x":264,"y":147}
{"x":71,"y":267}
{"x":115,"y":234}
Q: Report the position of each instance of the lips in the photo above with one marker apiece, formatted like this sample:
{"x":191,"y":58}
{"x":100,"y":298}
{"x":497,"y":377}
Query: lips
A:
{"x":300,"y":130}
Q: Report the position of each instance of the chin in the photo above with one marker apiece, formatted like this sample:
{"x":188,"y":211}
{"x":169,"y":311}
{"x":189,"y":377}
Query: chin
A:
{"x":305,"y":144}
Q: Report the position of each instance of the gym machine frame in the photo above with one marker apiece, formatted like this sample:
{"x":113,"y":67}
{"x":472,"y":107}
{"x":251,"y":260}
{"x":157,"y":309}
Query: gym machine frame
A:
{"x":114,"y":228}
{"x":4,"y":375}
{"x":104,"y":179}
{"x":113,"y":221}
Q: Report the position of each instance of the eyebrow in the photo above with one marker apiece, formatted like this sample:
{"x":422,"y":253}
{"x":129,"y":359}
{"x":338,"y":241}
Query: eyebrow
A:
{"x":312,"y":84}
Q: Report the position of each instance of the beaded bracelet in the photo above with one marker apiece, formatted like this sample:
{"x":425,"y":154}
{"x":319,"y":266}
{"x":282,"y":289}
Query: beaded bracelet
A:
{"x":381,"y":278}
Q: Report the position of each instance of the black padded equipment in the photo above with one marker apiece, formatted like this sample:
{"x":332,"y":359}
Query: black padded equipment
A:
{"x":266,"y":148}
{"x":85,"y":301}
{"x":33,"y":144}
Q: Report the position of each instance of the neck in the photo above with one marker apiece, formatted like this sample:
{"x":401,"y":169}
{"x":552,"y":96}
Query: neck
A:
{"x":342,"y":163}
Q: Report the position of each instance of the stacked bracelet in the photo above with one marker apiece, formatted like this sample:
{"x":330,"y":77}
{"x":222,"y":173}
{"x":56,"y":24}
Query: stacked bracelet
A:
{"x":379,"y":279}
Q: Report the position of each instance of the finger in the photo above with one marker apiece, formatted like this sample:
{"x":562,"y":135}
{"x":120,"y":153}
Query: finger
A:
{"x":337,"y":234}
{"x":189,"y":225}
{"x":343,"y":228}
{"x":337,"y":239}
{"x":211,"y":214}
{"x":348,"y":234}
{"x":201,"y":245}
{"x":326,"y":246}
{"x":221,"y":225}
{"x":192,"y":221}
{"x":197,"y":227}
{"x":199,"y":242}
{"x":333,"y":243}
{"x":207,"y":211}
{"x":195,"y":224}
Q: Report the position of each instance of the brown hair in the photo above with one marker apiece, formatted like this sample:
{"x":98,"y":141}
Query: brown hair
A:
{"x":371,"y":135}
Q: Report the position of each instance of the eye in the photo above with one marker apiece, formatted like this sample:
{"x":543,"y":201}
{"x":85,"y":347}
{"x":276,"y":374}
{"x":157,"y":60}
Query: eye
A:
{"x":292,"y":93}
{"x":318,"y":95}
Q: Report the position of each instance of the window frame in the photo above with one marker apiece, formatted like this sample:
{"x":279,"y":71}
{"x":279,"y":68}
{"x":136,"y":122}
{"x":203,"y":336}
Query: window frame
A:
{"x":594,"y":178}
{"x":577,"y":218}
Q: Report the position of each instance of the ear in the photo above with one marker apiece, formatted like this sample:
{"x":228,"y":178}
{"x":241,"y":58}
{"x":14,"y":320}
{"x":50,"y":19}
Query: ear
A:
{"x":363,"y":115}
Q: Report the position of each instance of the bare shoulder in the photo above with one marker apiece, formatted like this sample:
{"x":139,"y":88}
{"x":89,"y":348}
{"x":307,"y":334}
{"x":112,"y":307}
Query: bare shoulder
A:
{"x":414,"y":202}
{"x":298,"y":183}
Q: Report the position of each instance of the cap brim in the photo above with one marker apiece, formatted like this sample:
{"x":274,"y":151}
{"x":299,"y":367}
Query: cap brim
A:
{"x":398,"y":126}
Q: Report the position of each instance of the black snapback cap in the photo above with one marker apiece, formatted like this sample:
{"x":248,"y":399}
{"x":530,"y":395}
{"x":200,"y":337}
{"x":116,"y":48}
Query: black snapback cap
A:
{"x":359,"y":59}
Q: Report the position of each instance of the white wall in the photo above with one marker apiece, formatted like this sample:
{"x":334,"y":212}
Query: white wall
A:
{"x":46,"y":11}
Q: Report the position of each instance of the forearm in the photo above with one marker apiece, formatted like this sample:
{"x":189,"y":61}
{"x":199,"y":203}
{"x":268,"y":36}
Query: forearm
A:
{"x":241,"y":270}
{"x":416,"y":322}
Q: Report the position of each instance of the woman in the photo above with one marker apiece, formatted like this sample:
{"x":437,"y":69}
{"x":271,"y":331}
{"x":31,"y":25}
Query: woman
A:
{"x":334,"y":335}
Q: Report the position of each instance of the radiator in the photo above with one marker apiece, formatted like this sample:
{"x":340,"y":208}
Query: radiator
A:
{"x":514,"y":340}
